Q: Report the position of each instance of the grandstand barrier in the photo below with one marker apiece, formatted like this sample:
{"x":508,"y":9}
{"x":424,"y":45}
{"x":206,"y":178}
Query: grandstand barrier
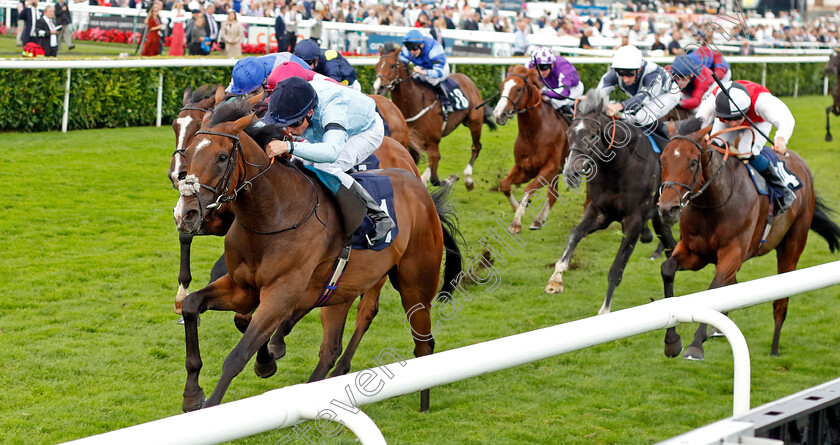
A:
{"x":336,"y":401}
{"x":69,"y":65}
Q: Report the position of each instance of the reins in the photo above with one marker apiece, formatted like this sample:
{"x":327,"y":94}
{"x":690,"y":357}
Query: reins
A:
{"x":528,"y":91}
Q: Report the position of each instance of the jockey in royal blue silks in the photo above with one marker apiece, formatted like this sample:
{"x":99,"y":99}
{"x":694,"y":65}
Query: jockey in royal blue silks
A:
{"x":327,"y":62}
{"x":562,"y":84}
{"x":336,"y":128}
{"x":251,"y":72}
{"x":766,"y":111}
{"x":429,"y":59}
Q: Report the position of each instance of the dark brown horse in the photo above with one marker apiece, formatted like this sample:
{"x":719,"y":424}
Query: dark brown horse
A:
{"x":722,"y":219}
{"x":541,"y":146}
{"x":418,"y":103}
{"x":833,"y":68}
{"x":677,"y":113}
{"x":622,"y":182}
{"x":280,"y":252}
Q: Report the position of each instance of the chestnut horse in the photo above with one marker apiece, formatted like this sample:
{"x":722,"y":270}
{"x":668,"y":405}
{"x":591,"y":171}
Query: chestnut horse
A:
{"x":541,"y":146}
{"x":418,"y":103}
{"x":722,"y":219}
{"x":622,"y":181}
{"x":833,"y":68}
{"x":226,"y":165}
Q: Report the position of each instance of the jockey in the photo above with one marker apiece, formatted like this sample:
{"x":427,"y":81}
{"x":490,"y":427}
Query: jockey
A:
{"x":429,"y":59}
{"x":251,"y":72}
{"x":335,"y":129}
{"x":766,"y":111}
{"x":327,"y":62}
{"x":713,"y":60}
{"x":649,"y":86}
{"x":290,"y":69}
{"x":694,"y":80}
{"x":562,"y":85}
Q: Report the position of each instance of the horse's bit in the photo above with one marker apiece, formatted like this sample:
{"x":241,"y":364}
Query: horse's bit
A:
{"x":528,"y":88}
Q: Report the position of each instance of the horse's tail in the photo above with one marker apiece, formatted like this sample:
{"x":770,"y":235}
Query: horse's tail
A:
{"x":488,"y":118}
{"x":449,"y":223}
{"x":824,"y":226}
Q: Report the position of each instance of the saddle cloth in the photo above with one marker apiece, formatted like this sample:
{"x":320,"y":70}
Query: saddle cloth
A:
{"x":456,"y":97}
{"x":761,"y":186}
{"x":380,"y":189}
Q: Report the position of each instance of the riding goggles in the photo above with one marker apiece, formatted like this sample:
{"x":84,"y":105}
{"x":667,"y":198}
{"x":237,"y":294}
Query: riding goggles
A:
{"x":731,"y":118}
{"x":544,"y":66}
{"x":412,"y":46}
{"x":298,"y":122}
{"x":625,"y":73}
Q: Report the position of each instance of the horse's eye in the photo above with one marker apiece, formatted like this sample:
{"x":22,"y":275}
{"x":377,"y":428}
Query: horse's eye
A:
{"x":223,"y":157}
{"x":693,"y":163}
{"x":182,"y":176}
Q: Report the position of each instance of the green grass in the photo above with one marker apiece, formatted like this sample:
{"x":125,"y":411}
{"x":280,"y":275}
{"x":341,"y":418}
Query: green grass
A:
{"x":90,"y":344}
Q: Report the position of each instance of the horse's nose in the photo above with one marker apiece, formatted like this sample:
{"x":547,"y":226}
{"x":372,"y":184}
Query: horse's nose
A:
{"x":670,"y":214}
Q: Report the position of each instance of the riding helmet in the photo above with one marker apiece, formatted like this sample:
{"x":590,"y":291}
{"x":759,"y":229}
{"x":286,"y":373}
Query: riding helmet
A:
{"x":628,"y":57}
{"x":291,"y":100}
{"x":414,"y":36}
{"x":543,"y":56}
{"x":685,"y":66}
{"x":725,"y":108}
{"x":308,"y":50}
{"x":248,"y":74}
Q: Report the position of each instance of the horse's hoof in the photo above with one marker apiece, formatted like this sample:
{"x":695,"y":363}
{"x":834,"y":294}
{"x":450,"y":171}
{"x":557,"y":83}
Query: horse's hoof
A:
{"x":181,"y":320}
{"x":536,"y":225}
{"x":435,"y":182}
{"x":673,"y":349}
{"x":451,"y":180}
{"x":828,"y":138}
{"x":469,"y":183}
{"x":715,"y":332}
{"x":194,"y":402}
{"x":646,"y":236}
{"x":554,"y":287}
{"x":278,"y":351}
{"x":265,"y":370}
{"x":655,"y":256}
{"x":693,"y":353}
{"x":515,"y":229}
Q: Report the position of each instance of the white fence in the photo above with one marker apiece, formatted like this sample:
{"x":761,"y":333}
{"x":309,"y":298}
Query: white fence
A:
{"x":70,"y":65}
{"x":321,"y":401}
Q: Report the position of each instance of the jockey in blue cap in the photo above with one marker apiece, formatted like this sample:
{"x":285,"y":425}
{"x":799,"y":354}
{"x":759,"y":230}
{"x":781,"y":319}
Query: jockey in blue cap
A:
{"x":335,"y":128}
{"x":429,"y":59}
{"x":328,"y":63}
{"x":252,"y":72}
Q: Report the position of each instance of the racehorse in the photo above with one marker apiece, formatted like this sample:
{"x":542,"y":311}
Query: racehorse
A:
{"x":623,"y":179}
{"x":677,"y":113}
{"x":541,"y":146}
{"x":833,"y":68}
{"x":226,"y":165}
{"x":722,"y":220}
{"x":418,"y":103}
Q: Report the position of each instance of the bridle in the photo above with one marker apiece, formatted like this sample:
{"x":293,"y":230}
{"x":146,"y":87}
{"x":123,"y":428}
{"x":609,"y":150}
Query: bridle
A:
{"x":599,"y":124}
{"x":686,"y":197}
{"x":392,"y":83}
{"x":523,"y":98}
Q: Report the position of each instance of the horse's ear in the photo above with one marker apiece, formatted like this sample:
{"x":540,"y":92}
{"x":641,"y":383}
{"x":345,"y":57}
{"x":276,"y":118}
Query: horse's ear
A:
{"x":243,"y":122}
{"x":205,"y":122}
{"x":255,"y":97}
{"x":704,"y":131}
{"x":381,"y":50}
{"x":672,"y":128}
{"x":187,"y":96}
{"x":220,"y":94}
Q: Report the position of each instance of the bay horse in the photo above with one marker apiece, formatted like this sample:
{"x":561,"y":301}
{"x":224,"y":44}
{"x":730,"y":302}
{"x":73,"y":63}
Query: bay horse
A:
{"x":622,"y":183}
{"x":722,"y":219}
{"x":833,"y":68}
{"x":263,"y":278}
{"x":418,"y":102}
{"x":541,"y":145}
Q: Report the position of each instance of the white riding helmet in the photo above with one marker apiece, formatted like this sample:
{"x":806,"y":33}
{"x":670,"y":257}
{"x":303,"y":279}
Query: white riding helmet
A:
{"x":628,"y":57}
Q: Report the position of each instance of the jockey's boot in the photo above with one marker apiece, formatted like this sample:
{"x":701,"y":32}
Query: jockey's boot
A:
{"x":445,"y":101}
{"x":771,"y":175}
{"x":381,"y":221}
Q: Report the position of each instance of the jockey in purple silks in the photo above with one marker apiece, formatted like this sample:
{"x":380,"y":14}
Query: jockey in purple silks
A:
{"x":561,"y":83}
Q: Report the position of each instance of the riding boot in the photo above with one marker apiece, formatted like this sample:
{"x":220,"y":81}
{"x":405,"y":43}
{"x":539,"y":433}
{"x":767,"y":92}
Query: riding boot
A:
{"x":445,"y":102}
{"x":383,"y":223}
{"x":771,"y":175}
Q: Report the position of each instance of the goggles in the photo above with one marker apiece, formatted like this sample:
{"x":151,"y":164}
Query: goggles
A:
{"x":412,"y":46}
{"x":730,"y":119}
{"x":544,"y":66}
{"x":625,"y":72}
{"x":298,"y":122}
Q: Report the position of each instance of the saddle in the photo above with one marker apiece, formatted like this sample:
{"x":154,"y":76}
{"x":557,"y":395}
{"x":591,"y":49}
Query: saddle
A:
{"x":451,"y":97}
{"x":773,"y":191}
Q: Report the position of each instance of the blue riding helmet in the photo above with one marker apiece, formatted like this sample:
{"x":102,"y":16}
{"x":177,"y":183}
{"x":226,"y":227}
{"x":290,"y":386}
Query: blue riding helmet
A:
{"x":308,"y":50}
{"x":414,"y":36}
{"x":248,"y":74}
{"x":291,"y":100}
{"x":684,"y":66}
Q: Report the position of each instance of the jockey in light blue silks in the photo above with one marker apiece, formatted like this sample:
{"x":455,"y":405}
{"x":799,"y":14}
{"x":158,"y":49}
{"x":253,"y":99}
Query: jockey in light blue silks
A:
{"x":429,"y":59}
{"x":336,"y":128}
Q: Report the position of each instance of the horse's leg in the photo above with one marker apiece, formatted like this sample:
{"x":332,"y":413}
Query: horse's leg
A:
{"x":828,"y":124}
{"x":264,"y":366}
{"x":368,"y":308}
{"x":475,"y":131}
{"x":592,"y":221}
{"x":549,"y":170}
{"x":666,"y":237}
{"x":219,"y":269}
{"x":222,"y":295}
{"x":787,"y":257}
{"x":184,"y":276}
{"x":729,"y":262}
{"x":433,"y":155}
{"x":632,"y":228}
{"x":515,"y":176}
{"x":332,"y":320}
{"x":681,"y":259}
{"x":264,"y":321}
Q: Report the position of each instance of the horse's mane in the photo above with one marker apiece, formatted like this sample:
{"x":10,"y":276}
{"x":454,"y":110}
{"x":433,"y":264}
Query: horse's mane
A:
{"x":389,"y":47}
{"x":594,"y":101}
{"x":203,"y":92}
{"x":230,"y":111}
{"x":690,"y":125}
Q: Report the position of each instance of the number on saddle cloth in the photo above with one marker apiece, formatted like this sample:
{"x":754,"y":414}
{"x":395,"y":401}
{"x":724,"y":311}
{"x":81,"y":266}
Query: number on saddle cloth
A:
{"x":761,"y":186}
{"x":455,"y":97}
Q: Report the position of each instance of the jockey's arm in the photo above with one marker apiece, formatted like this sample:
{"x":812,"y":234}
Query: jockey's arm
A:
{"x":706,"y":111}
{"x":608,"y":82}
{"x":651,"y":85}
{"x":696,"y":96}
{"x":326,"y":151}
{"x":773,"y":110}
